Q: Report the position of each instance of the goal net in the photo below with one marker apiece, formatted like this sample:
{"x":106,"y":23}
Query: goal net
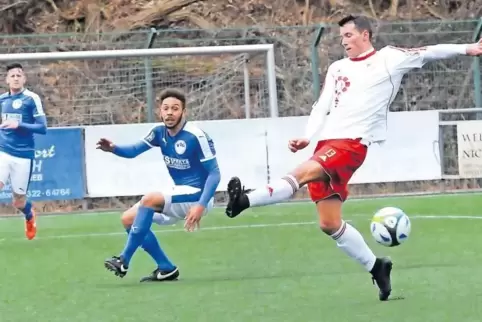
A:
{"x":226,"y":83}
{"x":111,"y":87}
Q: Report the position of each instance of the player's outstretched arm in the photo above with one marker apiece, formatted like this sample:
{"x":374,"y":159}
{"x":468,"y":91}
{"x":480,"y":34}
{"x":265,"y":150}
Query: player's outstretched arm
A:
{"x":444,"y":51}
{"x":132,"y":150}
{"x":124,"y":151}
{"x":407,"y":59}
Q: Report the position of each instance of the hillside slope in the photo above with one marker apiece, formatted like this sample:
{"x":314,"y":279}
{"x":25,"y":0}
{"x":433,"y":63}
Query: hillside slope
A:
{"x":28,"y":16}
{"x":114,"y":91}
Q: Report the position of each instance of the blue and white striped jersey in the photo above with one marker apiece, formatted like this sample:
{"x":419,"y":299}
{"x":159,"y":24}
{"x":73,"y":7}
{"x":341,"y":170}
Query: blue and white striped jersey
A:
{"x":24,"y":107}
{"x":184,"y":153}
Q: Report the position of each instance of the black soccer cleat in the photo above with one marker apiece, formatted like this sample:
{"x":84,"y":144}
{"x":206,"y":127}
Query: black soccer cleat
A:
{"x":238,"y":200}
{"x":381,"y":276}
{"x":160,"y":276}
{"x":116,"y":265}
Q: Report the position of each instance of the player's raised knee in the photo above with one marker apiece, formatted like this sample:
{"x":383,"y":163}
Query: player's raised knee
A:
{"x":127,"y":218}
{"x":309,"y":171}
{"x":154,"y":200}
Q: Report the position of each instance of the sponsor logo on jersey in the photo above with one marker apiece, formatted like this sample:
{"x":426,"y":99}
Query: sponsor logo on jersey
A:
{"x":180,"y":164}
{"x":12,"y":116}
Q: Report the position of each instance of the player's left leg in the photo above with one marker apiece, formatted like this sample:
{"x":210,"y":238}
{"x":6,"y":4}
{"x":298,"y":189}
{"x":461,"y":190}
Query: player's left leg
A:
{"x":5,"y":167}
{"x":327,"y":174}
{"x":277,"y":191}
{"x":329,"y":198}
{"x":20,"y":174}
{"x":165,"y":270}
{"x":177,"y":203}
{"x":139,"y":231}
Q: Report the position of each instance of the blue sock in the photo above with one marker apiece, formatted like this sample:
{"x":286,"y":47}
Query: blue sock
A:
{"x":137,"y":235}
{"x":152,"y":247}
{"x":27,"y":210}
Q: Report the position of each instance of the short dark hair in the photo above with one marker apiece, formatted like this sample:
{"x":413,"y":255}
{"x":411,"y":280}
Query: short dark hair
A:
{"x":175,"y":93}
{"x":361,"y":23}
{"x":14,"y":65}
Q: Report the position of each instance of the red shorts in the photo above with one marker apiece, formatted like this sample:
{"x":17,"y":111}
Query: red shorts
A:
{"x":340,"y":158}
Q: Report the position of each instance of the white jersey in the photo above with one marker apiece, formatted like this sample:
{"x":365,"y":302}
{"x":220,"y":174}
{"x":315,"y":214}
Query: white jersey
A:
{"x":357,"y":92}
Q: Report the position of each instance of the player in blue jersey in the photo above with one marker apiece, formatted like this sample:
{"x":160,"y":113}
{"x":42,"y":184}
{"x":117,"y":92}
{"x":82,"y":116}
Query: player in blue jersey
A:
{"x":22,"y":117}
{"x":190,"y":157}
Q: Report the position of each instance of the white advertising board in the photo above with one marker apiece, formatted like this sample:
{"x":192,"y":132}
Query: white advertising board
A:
{"x":469,"y":141}
{"x":245,"y":148}
{"x":409,"y":154}
{"x":240,"y":145}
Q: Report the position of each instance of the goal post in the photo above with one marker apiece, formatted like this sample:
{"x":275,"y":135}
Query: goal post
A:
{"x":224,"y":74}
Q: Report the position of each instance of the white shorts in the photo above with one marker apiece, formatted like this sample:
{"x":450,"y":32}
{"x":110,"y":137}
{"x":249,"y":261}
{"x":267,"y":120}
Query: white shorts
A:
{"x":178,"y":200}
{"x":18,"y":170}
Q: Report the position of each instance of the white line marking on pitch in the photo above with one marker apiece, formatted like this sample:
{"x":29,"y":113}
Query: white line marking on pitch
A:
{"x":416,"y":216}
{"x":176,"y":230}
{"x":217,"y":228}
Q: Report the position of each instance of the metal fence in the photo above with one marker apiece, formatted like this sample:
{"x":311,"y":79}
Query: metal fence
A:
{"x":121,"y":91}
{"x":445,"y":84}
{"x":103,"y":91}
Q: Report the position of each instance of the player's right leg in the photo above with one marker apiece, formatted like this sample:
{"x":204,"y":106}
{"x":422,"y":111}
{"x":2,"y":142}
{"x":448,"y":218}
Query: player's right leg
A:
{"x":340,"y":159}
{"x":327,"y":174}
{"x":20,"y":173}
{"x":329,"y":207}
{"x":177,"y":203}
{"x":140,"y":234}
{"x":280,"y":190}
{"x":165,"y":270}
{"x":312,"y":170}
{"x":5,"y":166}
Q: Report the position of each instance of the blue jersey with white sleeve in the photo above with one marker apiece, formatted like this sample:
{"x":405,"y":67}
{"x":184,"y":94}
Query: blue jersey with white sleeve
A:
{"x":26,"y":108}
{"x":190,"y":157}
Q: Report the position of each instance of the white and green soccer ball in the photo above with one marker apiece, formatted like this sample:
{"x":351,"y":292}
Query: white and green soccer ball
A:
{"x":390,"y":226}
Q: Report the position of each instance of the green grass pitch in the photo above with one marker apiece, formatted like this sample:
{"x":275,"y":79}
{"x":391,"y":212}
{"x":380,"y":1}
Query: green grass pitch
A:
{"x":270,"y":264}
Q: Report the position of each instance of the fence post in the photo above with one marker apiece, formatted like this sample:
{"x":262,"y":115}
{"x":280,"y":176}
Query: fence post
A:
{"x":151,"y":36}
{"x":247,"y":98}
{"x":476,"y":69}
{"x":315,"y":61}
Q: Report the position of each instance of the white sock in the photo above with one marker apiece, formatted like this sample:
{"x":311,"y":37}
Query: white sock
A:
{"x":352,"y":243}
{"x":279,"y":190}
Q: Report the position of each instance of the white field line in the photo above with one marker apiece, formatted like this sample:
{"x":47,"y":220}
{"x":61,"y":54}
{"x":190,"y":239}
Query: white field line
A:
{"x":249,"y":226}
{"x":282,"y":204}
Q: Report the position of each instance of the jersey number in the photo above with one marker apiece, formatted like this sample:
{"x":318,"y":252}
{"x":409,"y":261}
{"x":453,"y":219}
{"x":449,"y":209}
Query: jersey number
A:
{"x":328,"y":154}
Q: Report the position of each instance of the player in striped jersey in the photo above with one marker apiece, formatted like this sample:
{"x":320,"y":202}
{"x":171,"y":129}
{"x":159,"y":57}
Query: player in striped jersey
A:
{"x":190,"y":157}
{"x":22,"y":117}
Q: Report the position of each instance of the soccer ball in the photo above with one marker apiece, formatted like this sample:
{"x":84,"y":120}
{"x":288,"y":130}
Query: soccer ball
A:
{"x":390,"y":226}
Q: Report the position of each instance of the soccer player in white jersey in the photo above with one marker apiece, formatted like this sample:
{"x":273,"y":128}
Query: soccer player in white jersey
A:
{"x":22,"y":117}
{"x":357,"y":93}
{"x":190,"y":157}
